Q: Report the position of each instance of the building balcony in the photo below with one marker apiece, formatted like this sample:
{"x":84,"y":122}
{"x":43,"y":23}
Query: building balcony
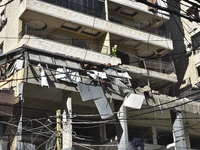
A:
{"x":143,"y":26}
{"x":93,"y":8}
{"x":61,"y":38}
{"x":139,"y":11}
{"x":155,"y":65}
{"x":160,"y":74}
{"x":84,"y":49}
{"x":126,"y":58}
{"x":66,"y":45}
{"x":68,"y":20}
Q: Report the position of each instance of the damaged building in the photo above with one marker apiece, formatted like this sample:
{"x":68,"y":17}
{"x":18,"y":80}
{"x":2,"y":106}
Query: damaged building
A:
{"x":62,"y":87}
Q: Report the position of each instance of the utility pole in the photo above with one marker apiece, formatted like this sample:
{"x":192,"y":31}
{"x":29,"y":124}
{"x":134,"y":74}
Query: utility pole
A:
{"x":67,"y":121}
{"x":19,"y":128}
{"x":58,"y":121}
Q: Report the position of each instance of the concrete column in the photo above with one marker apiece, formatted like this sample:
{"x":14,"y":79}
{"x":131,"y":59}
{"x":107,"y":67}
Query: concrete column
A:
{"x":106,"y":49}
{"x":154,"y":136}
{"x":122,"y":129}
{"x":67,"y":122}
{"x":178,"y":130}
{"x":107,"y":36}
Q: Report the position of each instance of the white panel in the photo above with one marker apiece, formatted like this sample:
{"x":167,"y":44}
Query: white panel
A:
{"x":134,"y":101}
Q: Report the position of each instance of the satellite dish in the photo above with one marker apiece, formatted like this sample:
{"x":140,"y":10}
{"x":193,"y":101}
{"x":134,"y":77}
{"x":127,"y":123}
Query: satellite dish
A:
{"x":144,"y":24}
{"x":145,"y":53}
{"x":37,"y":24}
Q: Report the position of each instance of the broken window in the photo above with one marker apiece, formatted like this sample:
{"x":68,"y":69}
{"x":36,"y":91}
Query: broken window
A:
{"x":6,"y":65}
{"x":68,"y":75}
{"x":44,"y":81}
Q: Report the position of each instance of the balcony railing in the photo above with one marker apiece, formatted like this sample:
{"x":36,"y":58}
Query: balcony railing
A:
{"x":160,"y":66}
{"x":63,"y":39}
{"x":94,"y":8}
{"x":132,"y":24}
{"x":166,"y":67}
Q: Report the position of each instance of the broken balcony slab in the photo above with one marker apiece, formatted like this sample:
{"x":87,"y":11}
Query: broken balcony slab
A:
{"x":158,"y":80}
{"x":134,"y":101}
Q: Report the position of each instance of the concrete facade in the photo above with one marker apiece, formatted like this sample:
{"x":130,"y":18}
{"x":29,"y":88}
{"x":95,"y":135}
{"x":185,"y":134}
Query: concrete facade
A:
{"x":42,"y":37}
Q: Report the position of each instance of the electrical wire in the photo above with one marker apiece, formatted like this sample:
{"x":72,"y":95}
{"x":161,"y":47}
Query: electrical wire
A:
{"x":174,"y":6}
{"x":167,"y":10}
{"x":40,"y":132}
{"x":85,"y":39}
{"x":52,"y":137}
{"x":115,"y":145}
{"x":192,"y":3}
{"x":30,"y":108}
{"x":6,"y":3}
{"x":182,"y":20}
{"x":89,"y":122}
{"x":24,"y":129}
{"x":156,"y":105}
{"x":55,"y":96}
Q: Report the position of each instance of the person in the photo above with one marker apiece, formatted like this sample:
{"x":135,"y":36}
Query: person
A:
{"x":114,"y":50}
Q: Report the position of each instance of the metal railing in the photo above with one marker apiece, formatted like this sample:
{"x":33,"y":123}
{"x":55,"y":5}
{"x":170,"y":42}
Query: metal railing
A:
{"x":77,"y":7}
{"x":138,"y":26}
{"x":160,"y":66}
{"x":122,"y":21}
{"x":165,"y":67}
{"x":63,"y":39}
